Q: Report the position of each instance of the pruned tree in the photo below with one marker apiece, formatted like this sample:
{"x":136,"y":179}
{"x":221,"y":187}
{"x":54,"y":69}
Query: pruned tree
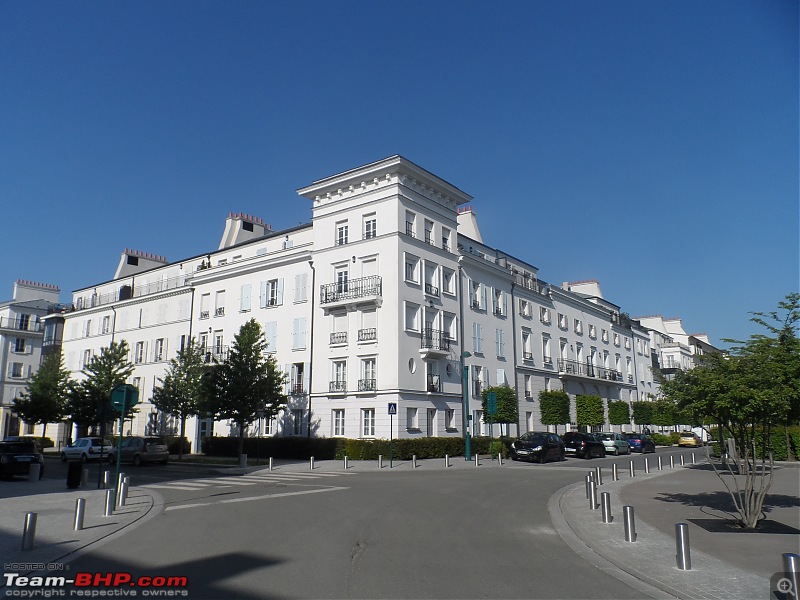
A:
{"x":507,"y":405}
{"x":554,"y":407}
{"x":747,"y":394}
{"x":180,"y":391}
{"x":642,"y":412}
{"x":619,"y":413}
{"x":45,"y":397}
{"x":589,"y":410}
{"x":248,"y":381}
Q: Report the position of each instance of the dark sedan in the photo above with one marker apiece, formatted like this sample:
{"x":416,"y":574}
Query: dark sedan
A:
{"x":583,"y":445}
{"x":641,"y":443}
{"x":539,"y":446}
{"x":16,"y":458}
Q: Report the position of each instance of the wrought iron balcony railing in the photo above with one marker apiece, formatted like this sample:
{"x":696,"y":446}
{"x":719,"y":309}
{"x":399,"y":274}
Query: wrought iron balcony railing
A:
{"x":213,"y":354}
{"x":434,"y":384}
{"x":367,"y":335}
{"x":350,"y":290}
{"x":527,"y":356}
{"x":431,"y":289}
{"x":339,"y":338}
{"x":20,"y":324}
{"x":434,"y":339}
{"x":367,"y":385}
{"x":338,"y":387}
{"x":573,"y":367}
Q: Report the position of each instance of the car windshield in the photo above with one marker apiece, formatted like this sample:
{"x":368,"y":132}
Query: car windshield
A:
{"x":16,"y":447}
{"x":97,"y":442}
{"x":538,"y":438}
{"x":154,"y":442}
{"x":632,"y":436}
{"x":607,"y":436}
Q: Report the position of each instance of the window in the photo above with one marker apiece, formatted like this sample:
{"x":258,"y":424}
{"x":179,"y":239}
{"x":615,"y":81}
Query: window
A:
{"x":367,"y":383}
{"x":592,"y":332}
{"x":271,"y":334}
{"x":368,"y":422}
{"x":499,"y":343}
{"x":342,"y":275}
{"x":450,"y":418}
{"x":410,"y":223}
{"x":87,"y":358}
{"x":158,"y":350}
{"x":341,"y":233}
{"x":562,"y":321}
{"x":219,"y":304}
{"x":338,"y":422}
{"x":219,"y":347}
{"x":19,"y":345}
{"x":544,"y":315}
{"x":429,"y":232}
{"x":412,"y":316}
{"x":446,"y":239}
{"x":297,"y":421}
{"x":578,"y":325}
{"x":528,"y":386}
{"x":604,"y":335}
{"x":106,"y":324}
{"x":448,"y":281}
{"x":271,"y":293}
{"x":527,"y":352}
{"x":524,"y":308}
{"x":370,"y":227}
{"x":137,"y":383}
{"x":301,"y":287}
{"x":299,"y":334}
{"x":412,"y":268}
{"x":412,"y":418}
{"x":205,"y":303}
{"x":477,"y":295}
{"x":616,"y":339}
{"x":500,"y":303}
{"x":449,"y":326}
{"x":431,"y":279}
{"x":339,"y":382}
{"x":369,"y":330}
{"x":138,"y":352}
{"x":87,"y":328}
{"x":546,"y":356}
{"x":477,"y":338}
{"x":268,"y":426}
{"x":244,"y":302}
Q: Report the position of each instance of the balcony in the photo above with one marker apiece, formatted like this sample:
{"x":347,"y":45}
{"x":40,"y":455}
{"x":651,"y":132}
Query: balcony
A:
{"x":367,"y":335}
{"x":20,"y":324}
{"x":367,"y":385}
{"x":338,"y":387}
{"x":434,"y":384}
{"x":431,"y":289}
{"x":339,"y":338}
{"x":575,"y":368}
{"x":410,"y":228}
{"x":354,"y":291}
{"x":434,"y":342}
{"x":127,"y":291}
{"x":220,"y":312}
{"x":204,"y":314}
{"x":214,"y":354}
{"x":296,"y":389}
{"x":527,"y":356}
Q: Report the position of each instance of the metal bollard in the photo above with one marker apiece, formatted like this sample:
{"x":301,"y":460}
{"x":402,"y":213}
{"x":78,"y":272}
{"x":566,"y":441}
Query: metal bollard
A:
{"x":80,"y":511}
{"x":598,"y":475}
{"x":120,"y":479}
{"x":312,"y":463}
{"x":85,"y":477}
{"x":671,"y":462}
{"x":633,"y":470}
{"x":683,"y":555}
{"x":34,"y":471}
{"x":660,"y":465}
{"x":106,"y":479}
{"x":123,"y":491}
{"x":646,"y":466}
{"x":683,"y":462}
{"x":588,"y":485}
{"x":630,"y":523}
{"x":380,"y":461}
{"x":413,"y":461}
{"x":109,"y":510}
{"x":500,"y":459}
{"x":270,"y":463}
{"x":29,"y":531}
{"x":593,"y":496}
{"x":446,"y":461}
{"x":614,"y":472}
{"x":605,"y":501}
{"x":345,"y":462}
{"x":477,"y":460}
{"x":791,"y":572}
{"x":693,"y":459}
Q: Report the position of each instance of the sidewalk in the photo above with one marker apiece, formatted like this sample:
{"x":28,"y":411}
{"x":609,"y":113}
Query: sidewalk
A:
{"x":726,"y":563}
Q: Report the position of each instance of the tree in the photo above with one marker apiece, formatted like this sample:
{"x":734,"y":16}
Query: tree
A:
{"x":247,"y":382}
{"x":89,"y":399}
{"x":45,"y":398}
{"x":589,"y":410}
{"x":619,"y":413}
{"x":554,"y":407}
{"x":507,"y":405}
{"x":642,"y":412}
{"x":747,"y":394}
{"x":664,"y":412}
{"x":180,"y":391}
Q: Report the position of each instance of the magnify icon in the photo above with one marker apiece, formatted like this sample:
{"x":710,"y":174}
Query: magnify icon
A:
{"x":785,"y":587}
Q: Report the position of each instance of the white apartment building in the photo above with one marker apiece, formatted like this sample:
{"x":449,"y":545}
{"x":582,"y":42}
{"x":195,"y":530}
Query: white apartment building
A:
{"x":382,"y":298}
{"x":21,"y":335}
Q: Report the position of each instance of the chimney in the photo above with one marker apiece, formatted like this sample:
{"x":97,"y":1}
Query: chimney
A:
{"x":133,"y":261}
{"x":240,"y":227}
{"x":25,"y":290}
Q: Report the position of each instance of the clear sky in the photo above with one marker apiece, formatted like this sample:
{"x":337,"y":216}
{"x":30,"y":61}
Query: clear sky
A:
{"x":650,"y":145}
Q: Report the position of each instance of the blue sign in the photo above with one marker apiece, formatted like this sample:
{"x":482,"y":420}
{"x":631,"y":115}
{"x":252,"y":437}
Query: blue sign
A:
{"x":392,"y":408}
{"x":491,"y":403}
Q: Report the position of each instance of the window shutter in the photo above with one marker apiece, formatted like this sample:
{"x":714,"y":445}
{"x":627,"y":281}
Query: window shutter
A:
{"x":287,"y":371}
{"x":505,"y":304}
{"x":245,"y":300}
{"x":501,"y":376}
{"x":306,"y":377}
{"x":263,"y":296}
{"x":471,"y":291}
{"x":301,"y":332}
{"x":475,"y":337}
{"x":280,"y":291}
{"x":483,"y":296}
{"x":300,"y":283}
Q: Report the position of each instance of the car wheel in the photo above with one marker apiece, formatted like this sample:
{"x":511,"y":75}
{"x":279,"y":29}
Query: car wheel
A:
{"x":84,"y":458}
{"x":137,"y":460}
{"x":563,"y":455}
{"x":542,"y":457}
{"x":41,"y":471}
{"x":616,"y":451}
{"x":63,"y":457}
{"x":603,"y":453}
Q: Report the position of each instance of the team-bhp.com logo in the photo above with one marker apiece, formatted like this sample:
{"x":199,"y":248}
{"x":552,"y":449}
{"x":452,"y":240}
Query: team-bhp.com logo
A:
{"x":95,"y":585}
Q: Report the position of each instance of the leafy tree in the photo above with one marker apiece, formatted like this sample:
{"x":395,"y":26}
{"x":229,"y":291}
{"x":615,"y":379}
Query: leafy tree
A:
{"x":748,"y":394}
{"x":589,"y":410}
{"x":246,"y":381}
{"x":554,"y":407}
{"x":642,"y":412}
{"x":45,"y":399}
{"x":180,"y":391}
{"x":507,"y":405}
{"x":619,"y":413}
{"x":89,"y":399}
{"x":664,"y":412}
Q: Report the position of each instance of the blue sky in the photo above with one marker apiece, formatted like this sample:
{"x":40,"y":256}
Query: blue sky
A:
{"x":650,"y":145}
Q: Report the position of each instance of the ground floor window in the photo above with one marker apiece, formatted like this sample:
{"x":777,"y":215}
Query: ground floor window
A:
{"x":297,"y":421}
{"x":368,"y":422}
{"x":338,"y":422}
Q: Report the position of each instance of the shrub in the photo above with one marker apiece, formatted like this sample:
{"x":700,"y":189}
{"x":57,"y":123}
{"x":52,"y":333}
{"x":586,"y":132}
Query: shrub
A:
{"x":554,"y":407}
{"x":662,"y":440}
{"x":674,"y":436}
{"x":174,"y":443}
{"x":589,"y":410}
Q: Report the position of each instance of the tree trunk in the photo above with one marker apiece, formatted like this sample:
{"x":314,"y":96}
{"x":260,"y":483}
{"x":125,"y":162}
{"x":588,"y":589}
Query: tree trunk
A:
{"x":241,"y":440}
{"x":44,"y":435}
{"x":180,"y":441}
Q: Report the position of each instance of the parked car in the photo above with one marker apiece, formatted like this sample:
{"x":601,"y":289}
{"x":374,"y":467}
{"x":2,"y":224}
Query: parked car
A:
{"x":583,"y":445}
{"x":689,"y":438}
{"x":86,"y":449}
{"x":615,"y":443}
{"x":141,"y":449}
{"x":641,"y":443}
{"x":539,"y":446}
{"x":16,"y":458}
{"x":25,"y":438}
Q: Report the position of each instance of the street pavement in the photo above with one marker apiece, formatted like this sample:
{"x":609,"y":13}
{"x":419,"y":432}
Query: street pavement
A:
{"x":725,"y":564}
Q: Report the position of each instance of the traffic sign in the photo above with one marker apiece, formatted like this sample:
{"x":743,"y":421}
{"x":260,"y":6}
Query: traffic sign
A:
{"x":124,"y":397}
{"x":491,"y":403}
{"x":392,"y":408}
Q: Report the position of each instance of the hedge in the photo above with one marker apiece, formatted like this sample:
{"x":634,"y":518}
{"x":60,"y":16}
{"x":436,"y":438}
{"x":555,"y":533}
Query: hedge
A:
{"x":777,"y":442}
{"x":662,"y":440}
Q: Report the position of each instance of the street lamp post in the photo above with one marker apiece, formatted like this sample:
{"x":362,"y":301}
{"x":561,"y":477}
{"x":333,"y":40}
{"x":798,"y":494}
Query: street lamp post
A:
{"x":465,"y":399}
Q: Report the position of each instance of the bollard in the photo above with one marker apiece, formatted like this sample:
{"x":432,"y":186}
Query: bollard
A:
{"x":477,"y":460}
{"x":605,"y":501}
{"x":683,"y":463}
{"x":80,"y":511}
{"x":34,"y":472}
{"x":446,"y":461}
{"x":646,"y":466}
{"x":345,"y":462}
{"x":109,"y":510}
{"x":413,"y":461}
{"x":598,"y":475}
{"x":660,"y":466}
{"x":593,"y":496}
{"x":500,"y":459}
{"x":120,"y":479}
{"x":693,"y":458}
{"x":85,"y":477}
{"x":671,"y":462}
{"x":106,"y":479}
{"x":29,"y":531}
{"x":614,"y":472}
{"x":588,"y":485}
{"x":791,"y":574}
{"x":633,"y":470}
{"x":270,"y":463}
{"x":312,"y":463}
{"x":630,"y":523}
{"x":123,"y":491}
{"x":242,"y":461}
{"x":380,"y":461}
{"x":683,"y":555}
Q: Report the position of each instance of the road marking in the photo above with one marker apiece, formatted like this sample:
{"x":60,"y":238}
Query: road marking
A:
{"x":170,"y":486}
{"x":252,"y":498}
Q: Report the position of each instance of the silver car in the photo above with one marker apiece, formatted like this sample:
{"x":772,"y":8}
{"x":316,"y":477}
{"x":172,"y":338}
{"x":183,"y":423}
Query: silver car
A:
{"x":615,"y":443}
{"x":141,"y":449}
{"x":86,"y":449}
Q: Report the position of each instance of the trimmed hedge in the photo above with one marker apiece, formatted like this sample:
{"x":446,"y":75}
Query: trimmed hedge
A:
{"x":777,"y":442}
{"x":662,"y":440}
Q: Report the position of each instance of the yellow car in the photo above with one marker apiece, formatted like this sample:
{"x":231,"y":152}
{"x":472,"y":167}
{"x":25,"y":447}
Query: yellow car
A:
{"x":690,"y":439}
